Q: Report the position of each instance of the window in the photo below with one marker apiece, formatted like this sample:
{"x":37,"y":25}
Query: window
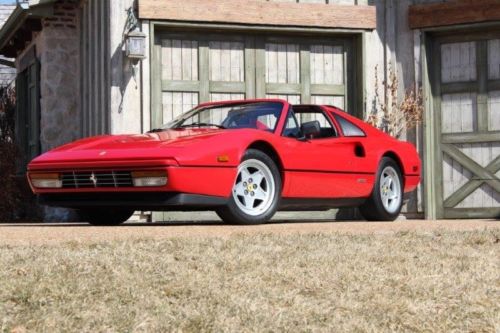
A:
{"x":348,"y":128}
{"x":262,"y":116}
{"x":292,"y":129}
{"x":300,"y":115}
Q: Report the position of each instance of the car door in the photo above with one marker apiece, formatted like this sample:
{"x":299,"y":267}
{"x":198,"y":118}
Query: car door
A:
{"x":326,"y":166}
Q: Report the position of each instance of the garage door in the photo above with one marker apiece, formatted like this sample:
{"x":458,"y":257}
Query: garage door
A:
{"x":188,"y":69}
{"x":468,"y":122}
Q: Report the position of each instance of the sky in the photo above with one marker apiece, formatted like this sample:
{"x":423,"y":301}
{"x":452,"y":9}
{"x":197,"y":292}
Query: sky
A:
{"x":7,"y":2}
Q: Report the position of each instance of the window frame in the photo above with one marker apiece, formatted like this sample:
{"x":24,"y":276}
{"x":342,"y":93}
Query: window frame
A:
{"x":327,"y":116}
{"x":335,"y":115}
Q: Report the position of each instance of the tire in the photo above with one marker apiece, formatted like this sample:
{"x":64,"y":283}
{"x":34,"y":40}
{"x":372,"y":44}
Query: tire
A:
{"x":256,"y":192}
{"x":386,"y":199}
{"x":105,"y":217}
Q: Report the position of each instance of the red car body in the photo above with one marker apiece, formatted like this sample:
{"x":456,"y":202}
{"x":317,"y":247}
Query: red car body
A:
{"x":201,"y":164}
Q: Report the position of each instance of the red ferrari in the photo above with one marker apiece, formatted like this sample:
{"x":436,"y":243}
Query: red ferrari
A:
{"x":243,"y":159}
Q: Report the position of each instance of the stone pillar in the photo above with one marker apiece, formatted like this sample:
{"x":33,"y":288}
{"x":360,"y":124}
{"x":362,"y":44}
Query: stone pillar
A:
{"x":58,"y":50}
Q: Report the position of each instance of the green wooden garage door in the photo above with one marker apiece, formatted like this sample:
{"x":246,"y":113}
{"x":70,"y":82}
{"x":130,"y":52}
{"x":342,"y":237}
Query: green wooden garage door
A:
{"x":188,"y":69}
{"x":467,"y":82}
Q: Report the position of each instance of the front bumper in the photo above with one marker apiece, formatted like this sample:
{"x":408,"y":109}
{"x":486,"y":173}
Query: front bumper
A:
{"x":200,"y":180}
{"x":157,"y":201}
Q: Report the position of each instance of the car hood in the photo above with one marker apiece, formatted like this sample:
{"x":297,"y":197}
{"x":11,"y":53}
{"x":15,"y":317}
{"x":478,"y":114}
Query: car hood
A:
{"x":169,"y":144}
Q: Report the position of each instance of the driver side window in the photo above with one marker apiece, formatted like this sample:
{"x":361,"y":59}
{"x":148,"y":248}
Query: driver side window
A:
{"x":298,"y":118}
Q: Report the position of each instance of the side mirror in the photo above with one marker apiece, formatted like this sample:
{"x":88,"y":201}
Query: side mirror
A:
{"x":310,"y":129}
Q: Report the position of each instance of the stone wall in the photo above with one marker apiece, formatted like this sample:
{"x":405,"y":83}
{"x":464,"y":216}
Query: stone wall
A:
{"x":57,"y":48}
{"x":58,"y":52}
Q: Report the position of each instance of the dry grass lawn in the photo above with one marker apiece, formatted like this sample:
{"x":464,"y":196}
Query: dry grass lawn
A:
{"x":434,"y":282}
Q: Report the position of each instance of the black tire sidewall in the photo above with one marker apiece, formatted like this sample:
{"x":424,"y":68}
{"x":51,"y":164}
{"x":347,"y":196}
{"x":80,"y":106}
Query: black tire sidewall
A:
{"x":374,"y":208}
{"x":231,"y":213}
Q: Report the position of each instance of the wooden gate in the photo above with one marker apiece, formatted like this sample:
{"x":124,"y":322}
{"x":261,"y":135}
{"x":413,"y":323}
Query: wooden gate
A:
{"x":466,"y":91}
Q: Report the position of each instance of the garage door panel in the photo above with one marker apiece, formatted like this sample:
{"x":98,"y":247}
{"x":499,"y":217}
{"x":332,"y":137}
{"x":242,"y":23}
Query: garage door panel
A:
{"x":227,"y":61}
{"x":176,"y":103}
{"x":494,"y":59}
{"x":454,"y":176}
{"x":481,"y":153}
{"x":216,"y":97}
{"x":494,"y":110}
{"x":458,"y":62}
{"x":282,"y":63}
{"x":179,"y":59}
{"x":292,"y":99}
{"x":337,"y":101}
{"x":459,"y":113}
{"x":327,"y":64}
{"x":483,"y":197}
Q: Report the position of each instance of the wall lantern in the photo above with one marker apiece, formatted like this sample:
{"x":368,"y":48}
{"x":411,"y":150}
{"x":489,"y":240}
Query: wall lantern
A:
{"x":136,"y":45}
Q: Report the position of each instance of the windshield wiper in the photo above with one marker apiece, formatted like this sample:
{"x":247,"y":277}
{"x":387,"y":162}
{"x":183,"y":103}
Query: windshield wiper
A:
{"x":200,"y":125}
{"x":156,"y":130}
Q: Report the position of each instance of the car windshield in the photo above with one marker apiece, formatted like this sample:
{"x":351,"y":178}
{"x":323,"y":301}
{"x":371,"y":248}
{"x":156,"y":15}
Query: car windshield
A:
{"x":260,"y":115}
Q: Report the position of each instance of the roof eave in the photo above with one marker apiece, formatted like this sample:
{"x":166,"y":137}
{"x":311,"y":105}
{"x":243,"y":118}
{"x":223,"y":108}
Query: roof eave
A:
{"x":18,"y":18}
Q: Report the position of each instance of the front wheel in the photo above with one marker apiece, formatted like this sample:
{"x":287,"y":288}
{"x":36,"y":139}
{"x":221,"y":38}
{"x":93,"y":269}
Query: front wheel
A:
{"x":386,"y":199}
{"x":256,"y":192}
{"x":105,"y":217}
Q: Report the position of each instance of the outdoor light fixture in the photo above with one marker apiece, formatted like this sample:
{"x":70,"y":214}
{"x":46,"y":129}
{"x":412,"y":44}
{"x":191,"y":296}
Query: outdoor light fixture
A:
{"x":135,"y":45}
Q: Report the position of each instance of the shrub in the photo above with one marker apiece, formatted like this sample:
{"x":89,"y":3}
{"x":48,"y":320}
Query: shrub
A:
{"x":9,"y":192}
{"x":392,"y":116}
{"x":16,"y":200}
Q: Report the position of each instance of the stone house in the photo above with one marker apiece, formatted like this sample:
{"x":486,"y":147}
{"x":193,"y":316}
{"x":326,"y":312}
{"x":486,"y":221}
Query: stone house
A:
{"x":75,"y":79}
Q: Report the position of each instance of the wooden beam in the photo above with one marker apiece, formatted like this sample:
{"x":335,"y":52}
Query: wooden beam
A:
{"x":479,"y":172}
{"x":260,"y":13}
{"x":458,"y":138}
{"x":454,"y":12}
{"x":472,"y":213}
{"x":8,"y":63}
{"x":468,"y":188}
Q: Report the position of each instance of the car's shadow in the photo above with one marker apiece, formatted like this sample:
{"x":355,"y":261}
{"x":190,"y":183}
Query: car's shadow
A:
{"x":168,"y":223}
{"x":189,"y":223}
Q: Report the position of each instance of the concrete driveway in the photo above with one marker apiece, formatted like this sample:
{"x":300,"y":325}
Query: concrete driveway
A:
{"x":30,"y":233}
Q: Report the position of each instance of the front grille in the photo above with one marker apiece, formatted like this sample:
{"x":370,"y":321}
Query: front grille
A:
{"x":94,"y":179}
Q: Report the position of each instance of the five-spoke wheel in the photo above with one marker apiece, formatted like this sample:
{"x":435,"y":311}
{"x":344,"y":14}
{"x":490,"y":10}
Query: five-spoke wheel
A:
{"x":256,"y":191}
{"x":390,"y":189}
{"x":386,"y":199}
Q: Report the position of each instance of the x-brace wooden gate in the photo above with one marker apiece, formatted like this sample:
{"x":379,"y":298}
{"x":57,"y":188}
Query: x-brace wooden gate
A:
{"x":466,"y":112}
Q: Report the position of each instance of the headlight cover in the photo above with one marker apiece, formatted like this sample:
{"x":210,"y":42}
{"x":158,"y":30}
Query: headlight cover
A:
{"x":46,"y":180}
{"x":149,"y":178}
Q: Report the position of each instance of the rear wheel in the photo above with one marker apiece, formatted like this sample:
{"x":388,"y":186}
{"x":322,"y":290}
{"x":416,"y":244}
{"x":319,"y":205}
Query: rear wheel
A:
{"x":256,"y":192}
{"x":386,"y":199}
{"x":105,"y":217}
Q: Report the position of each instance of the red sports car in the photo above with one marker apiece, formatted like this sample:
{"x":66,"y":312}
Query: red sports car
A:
{"x":243,"y":159}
